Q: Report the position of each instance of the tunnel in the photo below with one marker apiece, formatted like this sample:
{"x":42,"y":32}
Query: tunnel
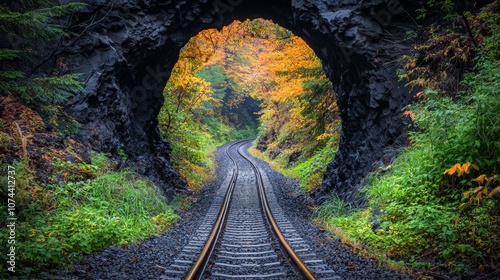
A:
{"x":125,"y":51}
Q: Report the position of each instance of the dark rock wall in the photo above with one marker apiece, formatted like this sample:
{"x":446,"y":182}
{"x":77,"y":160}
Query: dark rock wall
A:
{"x":128,"y":49}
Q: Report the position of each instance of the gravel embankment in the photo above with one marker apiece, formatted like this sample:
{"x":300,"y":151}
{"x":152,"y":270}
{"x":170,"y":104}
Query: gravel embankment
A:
{"x":339,"y":257}
{"x":148,"y":259}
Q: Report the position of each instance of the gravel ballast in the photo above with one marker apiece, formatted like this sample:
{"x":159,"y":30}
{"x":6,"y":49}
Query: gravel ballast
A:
{"x":339,"y":257}
{"x":148,"y":259}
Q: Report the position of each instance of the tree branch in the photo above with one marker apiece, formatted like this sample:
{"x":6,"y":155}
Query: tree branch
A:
{"x":469,"y":30}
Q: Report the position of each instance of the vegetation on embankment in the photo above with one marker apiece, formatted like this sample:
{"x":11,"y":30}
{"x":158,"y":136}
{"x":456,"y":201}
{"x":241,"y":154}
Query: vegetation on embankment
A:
{"x":225,"y":79}
{"x":307,"y":169}
{"x":299,"y":120}
{"x":67,"y":200}
{"x":437,"y":207}
{"x":81,"y":208}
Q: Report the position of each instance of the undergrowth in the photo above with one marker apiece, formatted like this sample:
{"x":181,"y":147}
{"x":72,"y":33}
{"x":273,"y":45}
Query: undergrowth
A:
{"x":308,"y":169}
{"x":439,"y":205}
{"x":61,"y":221}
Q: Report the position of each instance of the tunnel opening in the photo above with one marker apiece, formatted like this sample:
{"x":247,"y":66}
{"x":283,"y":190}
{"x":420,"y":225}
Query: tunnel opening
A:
{"x":75,"y":172}
{"x":128,"y":56}
{"x":250,"y":79}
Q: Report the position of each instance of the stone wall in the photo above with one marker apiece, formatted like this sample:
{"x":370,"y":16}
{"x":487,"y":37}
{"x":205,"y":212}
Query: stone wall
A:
{"x":127,"y":49}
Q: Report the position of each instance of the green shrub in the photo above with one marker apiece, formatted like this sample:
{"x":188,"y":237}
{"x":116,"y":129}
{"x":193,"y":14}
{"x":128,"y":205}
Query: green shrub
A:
{"x":85,"y":216}
{"x":310,"y":171}
{"x":440,"y":197}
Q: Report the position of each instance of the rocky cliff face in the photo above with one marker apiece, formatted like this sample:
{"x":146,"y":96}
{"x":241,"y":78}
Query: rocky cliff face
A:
{"x":128,"y":48}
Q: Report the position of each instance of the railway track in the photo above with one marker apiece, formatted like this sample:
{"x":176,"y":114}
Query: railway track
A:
{"x":246,"y":234}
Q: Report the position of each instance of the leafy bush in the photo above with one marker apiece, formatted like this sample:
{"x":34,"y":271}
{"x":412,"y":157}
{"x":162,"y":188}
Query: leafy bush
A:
{"x":441,"y":199}
{"x":85,"y":216}
{"x":190,"y":145}
{"x":309,"y":168}
{"x":310,"y":171}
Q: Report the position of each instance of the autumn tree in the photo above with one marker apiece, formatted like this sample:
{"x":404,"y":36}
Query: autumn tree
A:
{"x":298,"y":99}
{"x":220,"y":75}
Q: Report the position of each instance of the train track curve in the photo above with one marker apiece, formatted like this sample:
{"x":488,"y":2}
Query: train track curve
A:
{"x":246,"y":234}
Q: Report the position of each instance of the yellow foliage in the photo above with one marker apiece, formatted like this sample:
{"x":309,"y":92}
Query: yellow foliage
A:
{"x":460,"y":169}
{"x":480,"y":179}
{"x":478,"y":194}
{"x":495,"y":191}
{"x":482,"y":190}
{"x":324,"y":136}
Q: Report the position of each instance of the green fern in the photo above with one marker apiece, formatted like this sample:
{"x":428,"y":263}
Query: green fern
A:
{"x":8,"y":54}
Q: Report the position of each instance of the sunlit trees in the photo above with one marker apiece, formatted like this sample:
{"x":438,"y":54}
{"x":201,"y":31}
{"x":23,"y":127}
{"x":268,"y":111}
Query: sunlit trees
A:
{"x":221,"y":75}
{"x":293,"y":85}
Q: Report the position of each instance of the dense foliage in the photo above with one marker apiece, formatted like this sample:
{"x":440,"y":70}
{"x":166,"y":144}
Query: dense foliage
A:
{"x":205,"y":105}
{"x":223,"y":79}
{"x":58,"y":222}
{"x":439,"y":205}
{"x":67,"y":203}
{"x":27,"y":28}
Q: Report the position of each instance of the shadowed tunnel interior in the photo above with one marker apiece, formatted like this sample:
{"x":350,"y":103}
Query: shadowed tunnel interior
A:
{"x":127,"y":55}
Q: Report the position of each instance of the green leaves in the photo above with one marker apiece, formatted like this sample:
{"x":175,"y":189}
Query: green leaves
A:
{"x":36,"y":23}
{"x":28,"y":25}
{"x":446,"y":6}
{"x":310,"y":171}
{"x":422,"y":210}
{"x":112,"y":208}
{"x":8,"y":54}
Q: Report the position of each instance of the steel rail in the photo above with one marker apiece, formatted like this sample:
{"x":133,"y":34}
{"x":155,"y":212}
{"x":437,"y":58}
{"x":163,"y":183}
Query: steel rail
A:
{"x":198,"y":268}
{"x":299,"y":264}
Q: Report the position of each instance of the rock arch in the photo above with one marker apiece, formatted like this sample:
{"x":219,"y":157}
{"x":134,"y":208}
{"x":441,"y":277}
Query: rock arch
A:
{"x":129,"y":48}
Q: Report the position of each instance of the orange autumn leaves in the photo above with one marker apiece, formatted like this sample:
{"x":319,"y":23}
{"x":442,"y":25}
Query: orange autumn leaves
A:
{"x":279,"y":68}
{"x":264,"y":60}
{"x":483,"y":181}
{"x":280,"y":83}
{"x":460,"y":169}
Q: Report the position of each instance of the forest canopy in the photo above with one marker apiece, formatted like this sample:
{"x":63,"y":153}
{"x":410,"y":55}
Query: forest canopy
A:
{"x":251,"y":78}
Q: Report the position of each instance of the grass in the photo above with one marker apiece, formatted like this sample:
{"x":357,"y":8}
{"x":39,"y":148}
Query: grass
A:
{"x":307,"y":170}
{"x":260,"y":155}
{"x":423,"y":211}
{"x":60,"y":222}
